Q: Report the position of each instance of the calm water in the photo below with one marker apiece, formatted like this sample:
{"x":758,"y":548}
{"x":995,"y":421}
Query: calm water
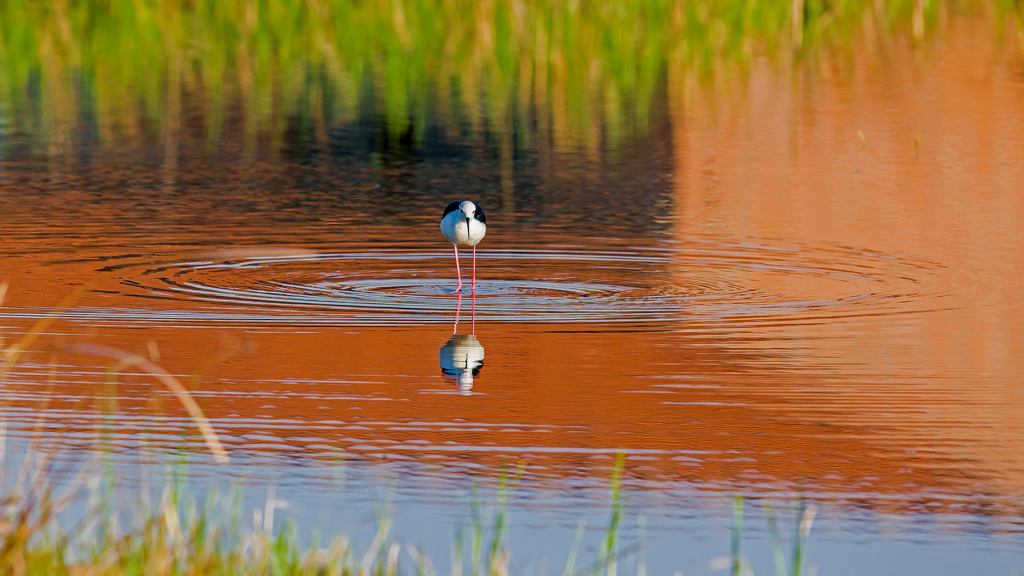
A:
{"x":797,"y":283}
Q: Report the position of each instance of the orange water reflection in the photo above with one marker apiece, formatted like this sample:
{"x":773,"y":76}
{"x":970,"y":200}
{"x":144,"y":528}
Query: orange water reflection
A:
{"x":901,"y":151}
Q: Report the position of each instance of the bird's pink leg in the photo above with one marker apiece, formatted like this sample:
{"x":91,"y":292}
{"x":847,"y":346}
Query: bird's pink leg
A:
{"x":457,"y":270}
{"x":474,"y":269}
{"x":472,"y":327}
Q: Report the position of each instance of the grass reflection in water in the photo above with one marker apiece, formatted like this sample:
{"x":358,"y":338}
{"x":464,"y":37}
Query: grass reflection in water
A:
{"x":524,"y":74}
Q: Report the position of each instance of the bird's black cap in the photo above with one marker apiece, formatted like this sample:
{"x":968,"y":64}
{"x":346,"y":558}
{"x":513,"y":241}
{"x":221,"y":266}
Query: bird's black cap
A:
{"x":453,"y":206}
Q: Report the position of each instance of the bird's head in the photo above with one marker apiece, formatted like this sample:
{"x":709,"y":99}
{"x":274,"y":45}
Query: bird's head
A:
{"x":468,"y":210}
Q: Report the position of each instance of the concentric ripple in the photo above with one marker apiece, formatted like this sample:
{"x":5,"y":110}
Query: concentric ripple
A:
{"x":693,"y":281}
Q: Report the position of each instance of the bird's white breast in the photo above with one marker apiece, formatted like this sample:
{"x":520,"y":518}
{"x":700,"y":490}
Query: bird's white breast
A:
{"x":455,"y":229}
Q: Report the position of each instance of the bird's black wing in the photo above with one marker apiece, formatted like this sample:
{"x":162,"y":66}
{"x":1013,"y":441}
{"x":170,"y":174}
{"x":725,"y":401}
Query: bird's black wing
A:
{"x":452,"y":207}
{"x":480,"y":214}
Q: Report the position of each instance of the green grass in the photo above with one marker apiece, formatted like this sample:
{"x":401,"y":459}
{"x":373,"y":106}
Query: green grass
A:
{"x":174,"y":534}
{"x":548,"y":73}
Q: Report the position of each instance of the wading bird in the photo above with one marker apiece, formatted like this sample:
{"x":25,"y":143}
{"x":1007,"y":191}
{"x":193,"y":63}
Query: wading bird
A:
{"x":463,"y":224}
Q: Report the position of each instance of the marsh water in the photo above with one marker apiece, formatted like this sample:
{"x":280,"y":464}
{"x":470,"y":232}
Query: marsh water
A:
{"x":789,"y":282}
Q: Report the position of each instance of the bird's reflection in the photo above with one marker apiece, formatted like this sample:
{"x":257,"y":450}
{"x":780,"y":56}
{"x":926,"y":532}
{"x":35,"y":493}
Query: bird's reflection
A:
{"x":462,"y":356}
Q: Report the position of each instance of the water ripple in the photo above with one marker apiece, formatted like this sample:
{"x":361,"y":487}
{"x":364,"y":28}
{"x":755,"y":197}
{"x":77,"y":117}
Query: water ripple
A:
{"x":737,"y":283}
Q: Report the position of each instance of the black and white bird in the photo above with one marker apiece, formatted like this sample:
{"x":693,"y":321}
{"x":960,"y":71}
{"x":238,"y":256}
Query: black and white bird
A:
{"x":463,"y":224}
